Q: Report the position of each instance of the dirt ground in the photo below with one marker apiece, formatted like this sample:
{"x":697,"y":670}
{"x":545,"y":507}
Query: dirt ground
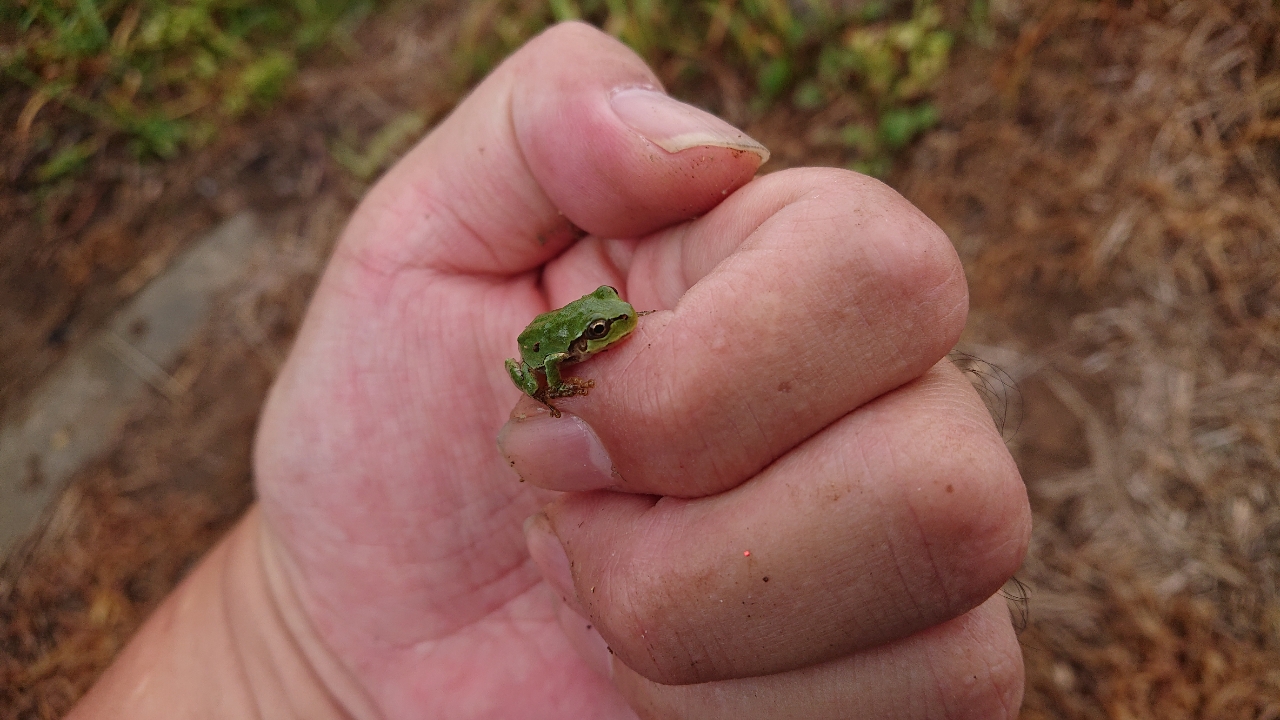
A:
{"x":1109,"y":171}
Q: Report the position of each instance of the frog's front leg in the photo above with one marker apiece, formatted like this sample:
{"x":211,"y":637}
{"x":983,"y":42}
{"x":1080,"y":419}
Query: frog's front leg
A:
{"x":558,"y":387}
{"x":524,"y":377}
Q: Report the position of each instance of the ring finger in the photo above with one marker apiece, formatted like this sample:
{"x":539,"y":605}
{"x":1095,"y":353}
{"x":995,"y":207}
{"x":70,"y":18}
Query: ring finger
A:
{"x":900,"y":516}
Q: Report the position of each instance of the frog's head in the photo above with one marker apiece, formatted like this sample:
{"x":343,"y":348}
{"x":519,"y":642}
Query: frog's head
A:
{"x":609,"y":319}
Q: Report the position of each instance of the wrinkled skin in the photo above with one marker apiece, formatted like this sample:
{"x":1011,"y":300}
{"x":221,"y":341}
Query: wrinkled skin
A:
{"x":789,"y":403}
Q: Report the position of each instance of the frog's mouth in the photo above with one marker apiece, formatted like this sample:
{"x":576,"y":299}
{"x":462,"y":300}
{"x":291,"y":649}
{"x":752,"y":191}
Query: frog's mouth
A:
{"x":577,"y":350}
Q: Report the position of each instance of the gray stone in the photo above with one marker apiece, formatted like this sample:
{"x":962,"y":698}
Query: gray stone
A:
{"x":70,"y":419}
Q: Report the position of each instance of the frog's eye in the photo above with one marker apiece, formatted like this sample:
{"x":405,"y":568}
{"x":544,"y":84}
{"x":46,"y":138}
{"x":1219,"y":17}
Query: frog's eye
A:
{"x":597,"y":329}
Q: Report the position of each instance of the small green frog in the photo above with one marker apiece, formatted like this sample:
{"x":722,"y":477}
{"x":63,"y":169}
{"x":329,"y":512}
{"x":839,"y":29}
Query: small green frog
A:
{"x":571,"y":334}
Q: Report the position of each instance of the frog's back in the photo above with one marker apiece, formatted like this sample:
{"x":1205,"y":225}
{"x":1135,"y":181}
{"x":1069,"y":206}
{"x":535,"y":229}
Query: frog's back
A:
{"x":552,"y":332}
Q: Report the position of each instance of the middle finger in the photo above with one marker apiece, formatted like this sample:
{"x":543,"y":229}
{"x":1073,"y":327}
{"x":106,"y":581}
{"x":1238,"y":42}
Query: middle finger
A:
{"x":900,"y":516}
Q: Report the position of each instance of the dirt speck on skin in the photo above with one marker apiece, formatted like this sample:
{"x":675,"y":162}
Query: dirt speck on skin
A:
{"x":1108,"y":173}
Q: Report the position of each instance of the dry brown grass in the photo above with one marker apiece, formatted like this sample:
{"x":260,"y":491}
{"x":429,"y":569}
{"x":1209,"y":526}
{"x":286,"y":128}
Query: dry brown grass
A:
{"x":1112,"y":182}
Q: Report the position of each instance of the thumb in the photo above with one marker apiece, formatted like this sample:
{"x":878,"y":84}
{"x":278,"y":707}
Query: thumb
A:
{"x":572,"y":133}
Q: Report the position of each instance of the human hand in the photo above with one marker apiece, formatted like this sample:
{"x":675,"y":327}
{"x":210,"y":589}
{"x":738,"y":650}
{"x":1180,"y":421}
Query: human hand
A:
{"x":789,"y":400}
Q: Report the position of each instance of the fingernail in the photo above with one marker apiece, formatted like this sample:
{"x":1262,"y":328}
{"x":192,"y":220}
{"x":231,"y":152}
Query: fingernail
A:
{"x":556,"y":453}
{"x":675,"y":126}
{"x":548,"y":555}
{"x":586,"y":639}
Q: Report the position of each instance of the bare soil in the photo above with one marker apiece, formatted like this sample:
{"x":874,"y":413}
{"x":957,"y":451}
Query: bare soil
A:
{"x":1109,"y":173}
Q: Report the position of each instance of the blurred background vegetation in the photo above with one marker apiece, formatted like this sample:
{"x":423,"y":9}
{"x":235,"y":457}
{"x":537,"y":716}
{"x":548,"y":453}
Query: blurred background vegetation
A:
{"x":161,"y":74}
{"x":164,"y":76}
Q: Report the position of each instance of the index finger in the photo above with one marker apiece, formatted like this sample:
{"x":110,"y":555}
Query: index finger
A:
{"x":804,"y":295}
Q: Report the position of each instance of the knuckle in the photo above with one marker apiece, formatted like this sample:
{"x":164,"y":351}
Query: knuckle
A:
{"x":988,"y":683}
{"x":910,"y":261}
{"x":972,"y":512}
{"x":561,"y":44}
{"x":919,"y":268}
{"x":567,"y":30}
{"x":647,"y":625}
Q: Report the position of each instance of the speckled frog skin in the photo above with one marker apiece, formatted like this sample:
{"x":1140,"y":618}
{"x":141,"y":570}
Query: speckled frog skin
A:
{"x":571,"y":334}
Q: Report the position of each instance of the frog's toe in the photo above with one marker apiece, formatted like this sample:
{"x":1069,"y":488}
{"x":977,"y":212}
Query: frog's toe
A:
{"x":569,"y":387}
{"x":545,"y":398}
{"x":526,"y":381}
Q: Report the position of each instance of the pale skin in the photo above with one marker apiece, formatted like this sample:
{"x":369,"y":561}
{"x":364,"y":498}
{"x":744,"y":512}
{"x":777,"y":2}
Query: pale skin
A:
{"x":786,"y":413}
